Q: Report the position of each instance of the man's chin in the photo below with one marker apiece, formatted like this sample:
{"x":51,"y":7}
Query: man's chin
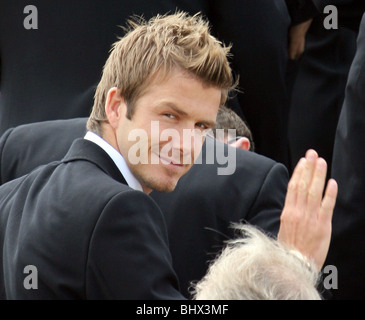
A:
{"x":161,"y":182}
{"x":160,"y":187}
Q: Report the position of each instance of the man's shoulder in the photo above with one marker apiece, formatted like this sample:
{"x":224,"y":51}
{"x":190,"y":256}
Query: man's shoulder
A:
{"x":230,"y":161}
{"x":254,"y":162}
{"x":79,"y":177}
{"x":77,"y":191}
{"x":83,"y":176}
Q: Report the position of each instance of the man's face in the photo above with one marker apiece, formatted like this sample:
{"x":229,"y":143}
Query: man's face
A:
{"x":161,"y":128}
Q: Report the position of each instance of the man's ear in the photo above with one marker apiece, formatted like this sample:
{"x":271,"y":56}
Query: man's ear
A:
{"x":241,"y":143}
{"x":115,"y":107}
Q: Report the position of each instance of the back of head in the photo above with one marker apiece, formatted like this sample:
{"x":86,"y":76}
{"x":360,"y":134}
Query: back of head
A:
{"x":228,"y":119}
{"x":155,"y":47}
{"x":256,"y":267}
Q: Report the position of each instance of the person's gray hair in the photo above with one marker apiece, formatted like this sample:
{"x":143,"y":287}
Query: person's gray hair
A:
{"x":257,"y":267}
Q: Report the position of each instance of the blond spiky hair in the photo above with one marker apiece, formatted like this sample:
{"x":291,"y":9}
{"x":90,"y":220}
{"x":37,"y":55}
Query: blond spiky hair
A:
{"x":156,"y":47}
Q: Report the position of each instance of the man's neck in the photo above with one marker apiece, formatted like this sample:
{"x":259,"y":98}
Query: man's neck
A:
{"x":117,"y":158}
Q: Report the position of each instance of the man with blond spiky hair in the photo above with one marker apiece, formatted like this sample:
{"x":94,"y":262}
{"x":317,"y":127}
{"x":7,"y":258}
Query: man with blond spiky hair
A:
{"x":85,"y":227}
{"x":86,"y":222}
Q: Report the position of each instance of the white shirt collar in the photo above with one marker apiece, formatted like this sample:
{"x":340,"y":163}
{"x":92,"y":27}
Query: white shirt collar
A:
{"x":117,"y":158}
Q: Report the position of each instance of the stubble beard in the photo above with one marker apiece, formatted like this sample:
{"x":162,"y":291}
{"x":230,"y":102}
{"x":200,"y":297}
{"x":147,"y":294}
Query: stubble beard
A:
{"x":155,"y":183}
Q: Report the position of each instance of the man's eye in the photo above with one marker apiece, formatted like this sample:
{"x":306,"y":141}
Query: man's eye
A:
{"x":169,"y":115}
{"x":201,"y":126}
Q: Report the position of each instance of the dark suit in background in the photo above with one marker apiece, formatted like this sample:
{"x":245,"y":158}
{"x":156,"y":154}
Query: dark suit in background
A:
{"x":318,"y":90}
{"x":28,"y":146}
{"x":198,"y":212}
{"x":347,"y":249}
{"x":114,"y":246}
{"x":51,"y":72}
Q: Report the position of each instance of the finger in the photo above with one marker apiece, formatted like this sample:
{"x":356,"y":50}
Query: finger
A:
{"x":306,"y":178}
{"x":315,"y":192}
{"x":329,"y":201}
{"x":291,"y":194}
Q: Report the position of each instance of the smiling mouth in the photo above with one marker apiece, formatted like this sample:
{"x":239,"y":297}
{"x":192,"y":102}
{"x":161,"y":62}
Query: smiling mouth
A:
{"x":167,"y":161}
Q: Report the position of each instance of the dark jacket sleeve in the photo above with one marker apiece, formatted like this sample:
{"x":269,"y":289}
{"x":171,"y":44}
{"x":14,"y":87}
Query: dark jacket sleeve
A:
{"x":301,"y":10}
{"x":129,"y":256}
{"x":3,"y":166}
{"x":266,"y":210}
{"x":348,"y":169}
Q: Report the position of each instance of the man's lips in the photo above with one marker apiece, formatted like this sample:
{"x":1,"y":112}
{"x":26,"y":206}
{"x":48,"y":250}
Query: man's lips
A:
{"x":165,"y":160}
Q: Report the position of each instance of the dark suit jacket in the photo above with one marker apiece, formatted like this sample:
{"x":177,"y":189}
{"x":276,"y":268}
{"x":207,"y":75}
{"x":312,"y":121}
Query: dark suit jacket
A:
{"x":347,"y":251}
{"x":318,"y":90}
{"x":27,"y":146}
{"x":88,"y":234}
{"x":198,"y":212}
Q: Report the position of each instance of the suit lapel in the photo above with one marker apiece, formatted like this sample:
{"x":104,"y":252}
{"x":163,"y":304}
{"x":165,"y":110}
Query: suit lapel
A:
{"x":82,"y":149}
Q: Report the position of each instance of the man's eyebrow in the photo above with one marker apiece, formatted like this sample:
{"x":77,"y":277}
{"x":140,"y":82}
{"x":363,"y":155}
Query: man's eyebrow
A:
{"x":175,"y":108}
{"x":171,"y":105}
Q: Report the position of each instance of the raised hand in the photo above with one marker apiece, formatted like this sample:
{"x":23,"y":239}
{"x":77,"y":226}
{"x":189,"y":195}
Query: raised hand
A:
{"x":305,"y":222}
